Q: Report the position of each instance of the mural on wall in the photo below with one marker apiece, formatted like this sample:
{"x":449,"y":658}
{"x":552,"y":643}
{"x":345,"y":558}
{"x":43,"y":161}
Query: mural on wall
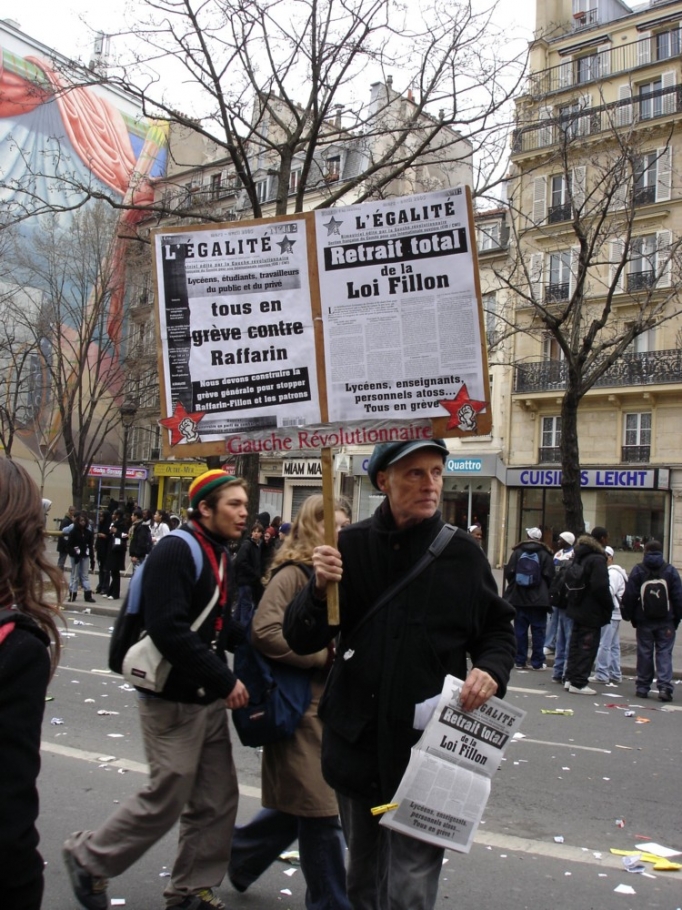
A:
{"x":62,"y":146}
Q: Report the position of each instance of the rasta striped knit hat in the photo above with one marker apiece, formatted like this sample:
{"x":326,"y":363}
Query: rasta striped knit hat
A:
{"x":206,"y":483}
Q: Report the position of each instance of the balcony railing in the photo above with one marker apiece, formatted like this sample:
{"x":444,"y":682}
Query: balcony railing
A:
{"x":641,"y":281}
{"x":585,"y":19}
{"x":635,"y":454}
{"x":644,"y":195}
{"x":650,"y":368}
{"x":623,"y":59}
{"x":549,"y":455}
{"x":556,"y":292}
{"x":557,"y":213}
{"x":564,"y":127}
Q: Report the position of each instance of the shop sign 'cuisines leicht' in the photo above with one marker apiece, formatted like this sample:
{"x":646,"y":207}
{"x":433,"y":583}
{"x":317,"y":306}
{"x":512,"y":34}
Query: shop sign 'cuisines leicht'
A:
{"x":350,"y":325}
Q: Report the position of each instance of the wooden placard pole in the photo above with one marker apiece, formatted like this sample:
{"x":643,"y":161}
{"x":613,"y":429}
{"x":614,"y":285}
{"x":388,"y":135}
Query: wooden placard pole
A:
{"x":333,"y":615}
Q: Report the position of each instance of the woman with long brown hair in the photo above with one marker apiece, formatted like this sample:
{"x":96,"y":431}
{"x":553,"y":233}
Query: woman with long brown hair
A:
{"x":29,"y":652}
{"x":297,"y":803}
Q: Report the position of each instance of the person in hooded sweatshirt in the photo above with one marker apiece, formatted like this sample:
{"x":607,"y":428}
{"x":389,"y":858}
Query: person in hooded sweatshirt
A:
{"x":655,"y":634}
{"x":27,"y":630}
{"x":608,"y":670}
{"x":529,"y":574}
{"x":589,"y":605}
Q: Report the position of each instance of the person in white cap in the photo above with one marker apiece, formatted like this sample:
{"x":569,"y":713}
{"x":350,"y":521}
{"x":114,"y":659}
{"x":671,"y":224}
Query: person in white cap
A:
{"x":561,"y":558}
{"x":395,"y":660}
{"x":476,"y":532}
{"x":529,"y":574}
{"x":607,"y":670}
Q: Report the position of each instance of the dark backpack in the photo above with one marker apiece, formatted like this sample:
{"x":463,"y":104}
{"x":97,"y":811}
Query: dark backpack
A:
{"x":557,"y":589}
{"x":575,"y":583}
{"x":654,"y":596}
{"x":129,"y":624}
{"x":527,"y":572}
{"x":279,"y":693}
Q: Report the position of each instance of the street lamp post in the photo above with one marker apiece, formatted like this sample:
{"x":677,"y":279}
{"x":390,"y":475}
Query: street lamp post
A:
{"x":128,"y":411}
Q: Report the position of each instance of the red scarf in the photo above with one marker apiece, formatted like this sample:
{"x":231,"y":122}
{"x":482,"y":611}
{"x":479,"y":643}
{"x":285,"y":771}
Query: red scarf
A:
{"x":207,"y":547}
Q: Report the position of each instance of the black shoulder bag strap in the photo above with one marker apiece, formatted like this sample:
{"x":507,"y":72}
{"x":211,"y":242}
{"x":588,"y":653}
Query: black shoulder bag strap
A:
{"x":439,"y":543}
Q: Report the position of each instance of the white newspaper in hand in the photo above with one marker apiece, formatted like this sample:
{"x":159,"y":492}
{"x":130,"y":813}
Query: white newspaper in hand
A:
{"x":445,"y":788}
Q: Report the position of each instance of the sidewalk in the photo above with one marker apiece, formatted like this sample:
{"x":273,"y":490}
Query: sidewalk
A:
{"x":628,"y":641}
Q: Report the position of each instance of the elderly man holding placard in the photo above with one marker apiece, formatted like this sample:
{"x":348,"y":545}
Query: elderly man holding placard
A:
{"x":406,"y":620}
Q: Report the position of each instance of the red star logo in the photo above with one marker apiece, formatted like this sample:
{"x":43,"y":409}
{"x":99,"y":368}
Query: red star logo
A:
{"x":182,"y":425}
{"x":463,"y":410}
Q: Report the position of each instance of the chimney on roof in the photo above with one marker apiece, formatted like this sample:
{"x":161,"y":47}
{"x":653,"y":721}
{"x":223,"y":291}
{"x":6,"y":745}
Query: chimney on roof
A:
{"x":337,"y":118}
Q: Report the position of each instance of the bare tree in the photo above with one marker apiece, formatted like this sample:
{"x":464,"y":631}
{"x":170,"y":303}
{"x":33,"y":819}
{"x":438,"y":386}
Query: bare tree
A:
{"x":584,"y":274}
{"x":68,"y":342}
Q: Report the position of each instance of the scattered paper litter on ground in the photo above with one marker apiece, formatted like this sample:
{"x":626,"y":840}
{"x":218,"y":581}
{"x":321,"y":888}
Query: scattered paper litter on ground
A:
{"x":558,"y":839}
{"x":286,"y":891}
{"x":106,"y":758}
{"x":56,"y":721}
{"x":658,"y":849}
{"x":107,"y":712}
{"x":291,"y":856}
{"x":290,"y":872}
{"x":624,"y":889}
{"x":115,"y":735}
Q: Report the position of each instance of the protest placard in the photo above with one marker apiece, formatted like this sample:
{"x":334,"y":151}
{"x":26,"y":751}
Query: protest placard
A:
{"x":357,"y":321}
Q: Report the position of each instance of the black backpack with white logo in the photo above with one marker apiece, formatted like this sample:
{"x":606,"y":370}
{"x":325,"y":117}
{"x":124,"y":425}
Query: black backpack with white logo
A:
{"x":654,"y":596}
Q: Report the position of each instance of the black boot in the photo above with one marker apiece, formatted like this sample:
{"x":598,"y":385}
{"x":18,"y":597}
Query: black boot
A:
{"x":72,"y":596}
{"x":89,"y":599}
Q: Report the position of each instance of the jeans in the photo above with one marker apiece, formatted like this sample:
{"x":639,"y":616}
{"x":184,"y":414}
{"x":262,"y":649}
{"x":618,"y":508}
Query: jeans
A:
{"x":257,"y":845}
{"x":563,"y":636}
{"x":608,"y":655}
{"x":79,"y":573}
{"x":536,"y":620}
{"x":552,"y":623}
{"x":245,"y":606}
{"x":137,"y":565}
{"x":655,"y":642}
{"x":387,"y":870}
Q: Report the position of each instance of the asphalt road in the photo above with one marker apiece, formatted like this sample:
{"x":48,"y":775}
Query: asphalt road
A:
{"x":570,"y":777}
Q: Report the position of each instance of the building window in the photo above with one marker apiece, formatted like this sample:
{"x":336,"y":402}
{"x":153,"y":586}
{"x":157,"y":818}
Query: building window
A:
{"x":560,"y":208}
{"x":294,"y":180}
{"x":550,"y":449}
{"x":559,"y":277}
{"x":333,"y":171}
{"x":587,"y":68}
{"x":668,"y":44}
{"x":489,"y":236}
{"x":650,"y":99}
{"x":646,"y":175}
{"x":637,"y":437}
{"x":493,"y":328}
{"x":262,"y":190}
{"x":642,"y":272}
{"x":216,"y":180}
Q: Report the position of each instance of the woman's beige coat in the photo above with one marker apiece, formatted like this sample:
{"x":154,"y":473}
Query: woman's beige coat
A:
{"x":291,"y":772}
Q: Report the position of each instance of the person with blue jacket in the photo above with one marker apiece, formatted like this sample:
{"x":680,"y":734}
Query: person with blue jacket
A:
{"x":655,"y":633}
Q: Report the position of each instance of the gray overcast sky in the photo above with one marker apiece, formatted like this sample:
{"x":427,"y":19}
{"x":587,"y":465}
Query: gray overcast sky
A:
{"x":59,"y":24}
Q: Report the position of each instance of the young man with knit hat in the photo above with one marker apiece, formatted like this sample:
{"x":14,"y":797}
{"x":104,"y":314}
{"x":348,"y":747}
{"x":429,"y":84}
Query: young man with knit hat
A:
{"x":396,"y":659}
{"x":186,"y":734}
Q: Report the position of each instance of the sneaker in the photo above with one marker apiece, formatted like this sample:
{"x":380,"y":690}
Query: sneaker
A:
{"x":664,"y":695}
{"x":574,"y":690}
{"x":616,"y":682}
{"x":202,"y":900}
{"x":91,"y":892}
{"x":521,"y":667}
{"x":567,"y":684}
{"x":558,"y":679}
{"x":543,"y":667}
{"x":548,"y":651}
{"x":641,"y":693}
